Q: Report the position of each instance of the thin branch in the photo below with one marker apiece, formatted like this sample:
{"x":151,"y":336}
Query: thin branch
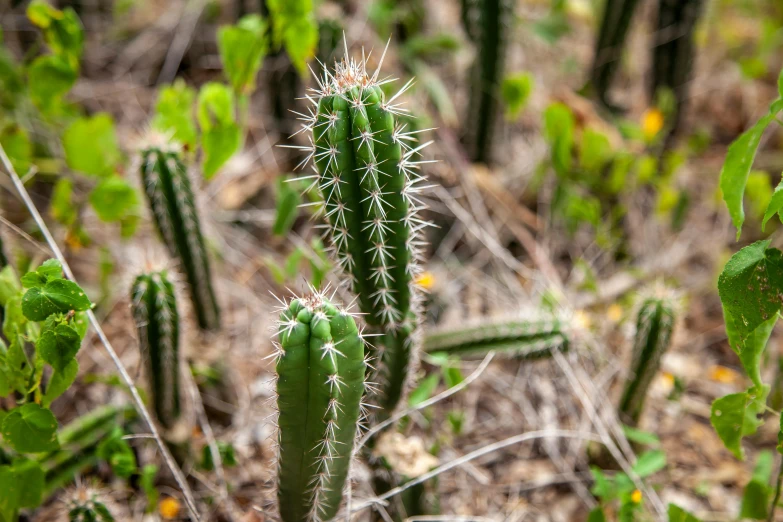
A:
{"x":516,"y":439}
{"x":139,"y":404}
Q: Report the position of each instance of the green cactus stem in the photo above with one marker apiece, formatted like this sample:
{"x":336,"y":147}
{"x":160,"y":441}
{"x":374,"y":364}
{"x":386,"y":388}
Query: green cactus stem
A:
{"x":171,"y":200}
{"x":87,"y":505}
{"x":654,"y":326}
{"x":157,"y":322}
{"x":367,"y":174}
{"x":519,"y":339}
{"x":320,"y":385}
{"x":487,"y":23}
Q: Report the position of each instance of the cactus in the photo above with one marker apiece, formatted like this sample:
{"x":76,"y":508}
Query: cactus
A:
{"x":171,"y":200}
{"x":86,"y":505}
{"x":673,"y":56}
{"x":487,"y":24}
{"x":367,"y":176}
{"x":519,"y":339}
{"x":654,"y":326}
{"x":320,"y":384}
{"x":157,"y":321}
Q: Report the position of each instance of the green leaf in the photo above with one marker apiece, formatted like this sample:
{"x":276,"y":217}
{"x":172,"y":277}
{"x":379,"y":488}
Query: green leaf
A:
{"x":596,"y":515}
{"x":595,"y":151}
{"x":650,"y":462}
{"x":736,"y":167}
{"x":735,"y":416}
{"x":51,"y":269}
{"x":17,"y":146}
{"x":288,"y":201}
{"x":62,"y":206}
{"x":114,"y":199}
{"x":33,"y":280}
{"x":221,"y":136}
{"x":91,"y":145}
{"x":30,"y":429}
{"x":516,"y":90}
{"x":424,"y":390}
{"x":9,"y":284}
{"x":641,"y":437}
{"x":559,"y":133}
{"x":750,"y":287}
{"x":59,"y":346}
{"x":775,"y":205}
{"x":755,"y":499}
{"x":294,"y":26}
{"x":174,"y":112}
{"x":242,"y":47}
{"x":22,"y":484}
{"x":60,"y":381}
{"x":56,"y":296}
{"x":147,"y":484}
{"x":49,"y":78}
{"x":62,"y":29}
{"x":117,"y":452}
{"x":751,"y":350}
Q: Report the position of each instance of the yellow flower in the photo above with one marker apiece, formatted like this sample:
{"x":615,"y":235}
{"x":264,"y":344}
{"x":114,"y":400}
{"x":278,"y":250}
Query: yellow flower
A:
{"x":722,"y":374}
{"x":652,"y":123}
{"x":169,"y":508}
{"x":615,"y":313}
{"x":426,"y":280}
{"x":668,"y":378}
{"x":636,"y":496}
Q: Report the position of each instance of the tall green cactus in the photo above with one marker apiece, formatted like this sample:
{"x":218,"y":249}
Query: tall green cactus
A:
{"x":367,"y":174}
{"x":319,"y":389}
{"x":86,"y":505}
{"x":654,"y":326}
{"x":157,"y":321}
{"x":487,"y":23}
{"x":519,"y":339}
{"x":171,"y":200}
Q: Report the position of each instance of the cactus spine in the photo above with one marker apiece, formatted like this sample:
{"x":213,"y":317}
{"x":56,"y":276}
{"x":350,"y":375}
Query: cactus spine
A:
{"x":519,"y":339}
{"x":157,"y":321}
{"x":171,"y":200}
{"x":367,"y":176}
{"x":85,"y":505}
{"x":487,"y":24}
{"x":320,"y":384}
{"x":654,"y":326}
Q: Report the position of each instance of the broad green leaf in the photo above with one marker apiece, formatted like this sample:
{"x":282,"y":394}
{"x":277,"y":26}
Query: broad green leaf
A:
{"x":51,"y":269}
{"x":33,"y":280}
{"x":59,"y":382}
{"x":91,"y":145}
{"x":113,"y":199}
{"x":22,"y":484}
{"x":735,"y":416}
{"x":755,"y":499}
{"x":30,"y":429}
{"x":242,"y":47}
{"x":751,"y":350}
{"x":596,"y":515}
{"x":736,"y":167}
{"x":559,"y":133}
{"x":650,"y":462}
{"x":62,"y":206}
{"x":62,"y":29}
{"x":58,"y":346}
{"x":117,"y":452}
{"x":775,"y":205}
{"x":56,"y":296}
{"x":641,"y":437}
{"x":49,"y":78}
{"x":288,"y":201}
{"x":301,"y":41}
{"x":758,"y":193}
{"x":17,"y":146}
{"x":9,"y":284}
{"x":221,"y":136}
{"x":424,"y":390}
{"x":750,"y":287}
{"x":595,"y":151}
{"x":677,"y":514}
{"x":174,"y":112}
{"x":516,"y":90}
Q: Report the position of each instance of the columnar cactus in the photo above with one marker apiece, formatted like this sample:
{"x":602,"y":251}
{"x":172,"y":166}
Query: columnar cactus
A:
{"x":157,"y":321}
{"x":171,"y":200}
{"x":487,"y":23}
{"x":367,"y":174}
{"x":87,"y":505}
{"x":519,"y":339}
{"x":320,"y":384}
{"x":654,"y":326}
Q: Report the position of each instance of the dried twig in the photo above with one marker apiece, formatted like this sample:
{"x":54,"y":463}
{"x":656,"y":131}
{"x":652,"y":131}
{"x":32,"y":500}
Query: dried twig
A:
{"x":138,"y":403}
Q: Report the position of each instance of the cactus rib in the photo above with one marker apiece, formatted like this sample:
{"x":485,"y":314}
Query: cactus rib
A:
{"x":172,"y":202}
{"x":519,"y":339}
{"x":157,"y":321}
{"x":367,"y":174}
{"x":320,"y":384}
{"x":654,"y":326}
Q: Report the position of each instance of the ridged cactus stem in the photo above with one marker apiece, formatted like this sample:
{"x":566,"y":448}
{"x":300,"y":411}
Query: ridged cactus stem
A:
{"x":519,"y":339}
{"x":320,"y":384}
{"x":157,"y":321}
{"x":367,"y":174}
{"x":654,"y":326}
{"x":170,"y":196}
{"x":487,"y":24}
{"x":87,"y":505}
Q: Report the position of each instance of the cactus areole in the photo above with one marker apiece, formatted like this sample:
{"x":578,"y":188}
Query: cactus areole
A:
{"x":320,"y":383}
{"x":367,"y":172}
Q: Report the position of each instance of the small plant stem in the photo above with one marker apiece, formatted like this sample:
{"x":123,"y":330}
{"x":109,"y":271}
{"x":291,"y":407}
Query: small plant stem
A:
{"x":178,"y":475}
{"x":775,"y":500}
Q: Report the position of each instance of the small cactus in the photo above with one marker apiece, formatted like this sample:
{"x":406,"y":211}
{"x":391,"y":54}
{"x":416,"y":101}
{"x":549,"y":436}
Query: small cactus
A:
{"x":319,"y":389}
{"x":87,"y":505}
{"x":519,"y":339}
{"x":157,"y":321}
{"x":367,"y":174}
{"x":487,"y":23}
{"x":171,"y":200}
{"x":654,"y":326}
